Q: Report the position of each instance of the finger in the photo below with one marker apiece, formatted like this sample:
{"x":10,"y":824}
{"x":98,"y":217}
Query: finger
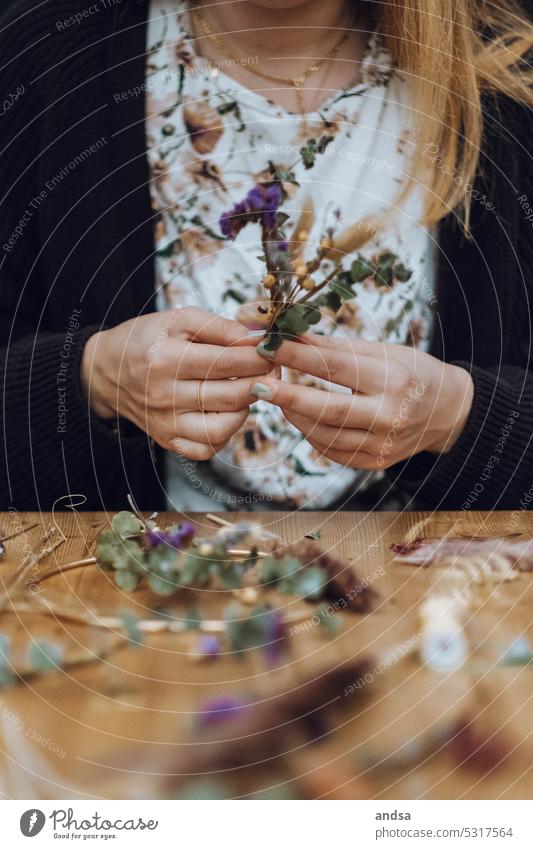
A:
{"x":352,"y":459}
{"x":347,"y":344}
{"x":332,"y":408}
{"x":192,"y":450}
{"x":337,"y":365}
{"x":216,"y":396}
{"x":339,"y":439}
{"x":201,"y":326}
{"x":212,"y":362}
{"x":209,"y":428}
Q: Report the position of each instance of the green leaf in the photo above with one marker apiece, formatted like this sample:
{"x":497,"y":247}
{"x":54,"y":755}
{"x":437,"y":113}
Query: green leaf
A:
{"x":192,"y":619}
{"x":130,"y":556}
{"x":126,"y":524}
{"x":130,"y":623}
{"x":203,"y":789}
{"x":310,"y":582}
{"x":6,"y":676}
{"x":272,"y":342}
{"x":231,"y":576}
{"x":280,"y":175}
{"x":107,"y":549}
{"x":44,"y":656}
{"x":161,"y":586}
{"x":289,"y":567}
{"x":4,"y":648}
{"x":298,"y":318}
{"x":328,"y":621}
{"x":360,"y":270}
{"x":269,"y":570}
{"x":127,"y":580}
{"x":332,"y":300}
{"x":341,"y":286}
{"x":248,"y":633}
{"x":195,"y":570}
{"x":162,"y":560}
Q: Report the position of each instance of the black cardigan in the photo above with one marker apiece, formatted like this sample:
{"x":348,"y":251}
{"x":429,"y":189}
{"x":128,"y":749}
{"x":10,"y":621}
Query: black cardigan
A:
{"x":77,"y":246}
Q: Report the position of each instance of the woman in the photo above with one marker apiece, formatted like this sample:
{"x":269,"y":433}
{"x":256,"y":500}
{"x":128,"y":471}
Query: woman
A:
{"x":127,"y":363}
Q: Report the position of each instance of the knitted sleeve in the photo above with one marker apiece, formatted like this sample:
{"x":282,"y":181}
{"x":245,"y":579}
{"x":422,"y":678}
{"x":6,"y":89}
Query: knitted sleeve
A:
{"x":491,"y":465}
{"x":52,"y":444}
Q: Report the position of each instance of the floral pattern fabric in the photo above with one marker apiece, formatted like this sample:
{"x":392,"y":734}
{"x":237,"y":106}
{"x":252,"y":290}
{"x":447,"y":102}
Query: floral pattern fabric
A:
{"x":209,"y":141}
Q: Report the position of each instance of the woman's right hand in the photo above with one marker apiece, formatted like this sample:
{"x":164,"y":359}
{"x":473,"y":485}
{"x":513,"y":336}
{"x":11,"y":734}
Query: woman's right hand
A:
{"x":163,"y":370}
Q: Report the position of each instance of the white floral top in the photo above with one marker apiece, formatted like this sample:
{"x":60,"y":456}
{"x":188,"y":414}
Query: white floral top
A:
{"x":209,"y":139}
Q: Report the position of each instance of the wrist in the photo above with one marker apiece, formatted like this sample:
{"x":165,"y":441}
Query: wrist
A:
{"x":457,"y":404}
{"x":93,"y":377}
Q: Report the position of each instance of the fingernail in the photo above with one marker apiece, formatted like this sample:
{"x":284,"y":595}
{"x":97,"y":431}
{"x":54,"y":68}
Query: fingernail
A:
{"x":265,"y":353}
{"x":255,"y":334}
{"x":261,"y":390}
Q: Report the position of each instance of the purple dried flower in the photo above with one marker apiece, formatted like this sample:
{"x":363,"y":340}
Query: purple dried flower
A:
{"x":255,"y":199}
{"x":274,"y":636}
{"x":260,"y":204}
{"x":221,"y":709}
{"x":210,"y":646}
{"x":175,"y":537}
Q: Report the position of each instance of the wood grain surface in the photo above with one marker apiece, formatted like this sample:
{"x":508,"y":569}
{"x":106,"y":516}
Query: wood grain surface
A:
{"x":115,"y":728}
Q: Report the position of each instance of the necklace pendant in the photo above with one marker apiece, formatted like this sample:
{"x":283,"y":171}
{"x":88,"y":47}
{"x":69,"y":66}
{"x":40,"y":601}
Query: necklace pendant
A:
{"x":298,"y":82}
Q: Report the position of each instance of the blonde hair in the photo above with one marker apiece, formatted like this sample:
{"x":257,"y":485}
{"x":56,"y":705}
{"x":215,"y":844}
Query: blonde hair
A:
{"x":453,"y":51}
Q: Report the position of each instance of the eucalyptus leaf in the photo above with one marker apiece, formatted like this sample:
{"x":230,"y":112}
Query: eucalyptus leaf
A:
{"x":288,"y":567}
{"x":269,"y":570}
{"x":129,"y":555}
{"x":161,"y":586}
{"x":195,"y":570}
{"x":44,"y":656}
{"x":126,"y":524}
{"x":130,"y":623}
{"x":192,"y":619}
{"x":107,"y":549}
{"x":203,"y":789}
{"x":127,"y":580}
{"x":329,"y":621}
{"x":162,"y":560}
{"x":6,"y":676}
{"x":310,"y":582}
{"x":4,"y":647}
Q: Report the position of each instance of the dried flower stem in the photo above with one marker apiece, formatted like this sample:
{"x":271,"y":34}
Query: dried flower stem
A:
{"x":19,"y":532}
{"x":218,"y":520}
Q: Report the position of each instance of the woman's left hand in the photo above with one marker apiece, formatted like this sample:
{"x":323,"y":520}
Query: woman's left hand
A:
{"x":403,"y":400}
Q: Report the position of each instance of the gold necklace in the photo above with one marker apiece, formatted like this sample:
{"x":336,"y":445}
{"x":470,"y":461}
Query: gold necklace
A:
{"x":295,"y":82}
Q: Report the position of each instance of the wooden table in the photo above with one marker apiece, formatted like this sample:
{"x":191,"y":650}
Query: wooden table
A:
{"x":110,"y":729}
